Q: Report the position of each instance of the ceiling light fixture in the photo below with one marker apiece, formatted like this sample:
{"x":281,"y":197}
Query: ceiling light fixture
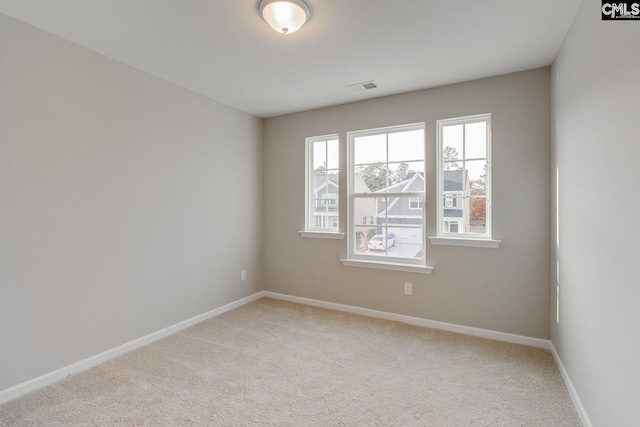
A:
{"x":285,"y":16}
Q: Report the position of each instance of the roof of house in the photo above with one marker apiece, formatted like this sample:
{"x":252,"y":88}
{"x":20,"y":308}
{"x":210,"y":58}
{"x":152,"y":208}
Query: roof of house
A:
{"x":401,"y":187}
{"x":453,"y":180}
{"x":319,"y":181}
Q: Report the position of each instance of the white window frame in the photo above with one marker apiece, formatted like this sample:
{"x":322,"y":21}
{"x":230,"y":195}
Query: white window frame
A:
{"x":310,"y":230}
{"x":416,"y":265}
{"x":443,"y":236}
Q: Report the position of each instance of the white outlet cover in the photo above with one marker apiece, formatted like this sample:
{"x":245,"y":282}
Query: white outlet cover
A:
{"x":408,"y":288}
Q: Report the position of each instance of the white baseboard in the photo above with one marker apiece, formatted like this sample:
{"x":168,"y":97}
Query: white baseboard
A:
{"x":584,"y":417}
{"x":418,"y":321}
{"x":51,"y":377}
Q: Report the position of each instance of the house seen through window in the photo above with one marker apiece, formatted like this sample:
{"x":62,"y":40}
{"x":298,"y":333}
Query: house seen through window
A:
{"x":387,"y":185}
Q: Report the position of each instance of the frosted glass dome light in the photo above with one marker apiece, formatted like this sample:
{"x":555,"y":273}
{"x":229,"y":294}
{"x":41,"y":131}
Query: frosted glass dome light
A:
{"x":285,"y":16}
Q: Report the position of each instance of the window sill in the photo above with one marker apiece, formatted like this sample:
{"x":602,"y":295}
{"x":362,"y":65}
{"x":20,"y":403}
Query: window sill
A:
{"x":474,"y":243}
{"x":409,"y":268}
{"x":322,"y":234}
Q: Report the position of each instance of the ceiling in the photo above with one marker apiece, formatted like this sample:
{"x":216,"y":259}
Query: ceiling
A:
{"x":224,"y":50}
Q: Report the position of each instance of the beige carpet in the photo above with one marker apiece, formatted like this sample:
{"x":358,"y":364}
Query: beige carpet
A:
{"x":277,"y":363}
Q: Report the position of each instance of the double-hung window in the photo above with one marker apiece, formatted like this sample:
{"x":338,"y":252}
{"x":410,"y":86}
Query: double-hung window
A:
{"x":322,"y":192}
{"x":464,"y":177}
{"x":387,"y":186}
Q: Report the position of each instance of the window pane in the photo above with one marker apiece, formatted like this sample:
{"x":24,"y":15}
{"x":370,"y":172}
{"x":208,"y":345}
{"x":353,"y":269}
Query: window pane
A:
{"x":406,"y":146}
{"x":475,"y":140}
{"x":319,"y":184}
{"x":477,"y":215}
{"x":319,"y":155}
{"x":334,"y":182}
{"x":324,"y":204}
{"x":453,"y":182}
{"x":477,"y":175}
{"x":362,"y":236}
{"x":404,"y":171}
{"x":364,"y":209}
{"x":371,"y":178}
{"x":454,"y":212}
{"x":370,"y":149}
{"x":452,"y":142}
{"x":332,"y":160}
{"x":397,"y":231}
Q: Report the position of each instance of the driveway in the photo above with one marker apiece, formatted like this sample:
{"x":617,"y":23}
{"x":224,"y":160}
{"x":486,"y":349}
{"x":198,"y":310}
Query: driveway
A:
{"x":399,"y":250}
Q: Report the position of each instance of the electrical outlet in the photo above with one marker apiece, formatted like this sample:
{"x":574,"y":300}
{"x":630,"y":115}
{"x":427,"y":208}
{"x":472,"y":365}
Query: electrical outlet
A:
{"x":243,"y":275}
{"x":408,"y":288}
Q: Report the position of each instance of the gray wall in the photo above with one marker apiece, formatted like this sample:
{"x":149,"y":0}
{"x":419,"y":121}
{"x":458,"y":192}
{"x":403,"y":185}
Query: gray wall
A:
{"x":127,"y":203}
{"x":503,"y":289}
{"x":596,"y":149}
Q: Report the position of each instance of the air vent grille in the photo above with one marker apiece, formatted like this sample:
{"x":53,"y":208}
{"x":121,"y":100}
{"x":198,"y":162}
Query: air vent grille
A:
{"x":358,"y":87}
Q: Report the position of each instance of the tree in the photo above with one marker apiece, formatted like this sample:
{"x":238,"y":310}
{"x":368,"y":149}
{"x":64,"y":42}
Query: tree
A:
{"x":478,"y":205}
{"x":375,"y":176}
{"x":401,"y":173}
{"x":320,"y":170}
{"x":478,"y":211}
{"x":449,"y":154}
{"x":479,"y":186}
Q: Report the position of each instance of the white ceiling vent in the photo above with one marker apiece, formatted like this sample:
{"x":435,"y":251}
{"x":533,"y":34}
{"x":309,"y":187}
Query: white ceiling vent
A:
{"x":358,"y":87}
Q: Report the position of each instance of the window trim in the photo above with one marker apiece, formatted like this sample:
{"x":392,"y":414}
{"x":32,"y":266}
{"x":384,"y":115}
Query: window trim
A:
{"x":309,"y":201}
{"x":454,"y":238}
{"x":321,"y":234}
{"x":372,"y":261}
{"x":382,"y":265}
{"x":473,"y":243}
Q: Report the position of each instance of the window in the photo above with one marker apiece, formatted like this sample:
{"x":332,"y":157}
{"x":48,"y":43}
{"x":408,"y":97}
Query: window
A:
{"x":449,"y":202}
{"x":415,"y":203}
{"x":322,"y":207}
{"x":387,"y":184}
{"x":464,"y":171}
{"x":451,"y":226}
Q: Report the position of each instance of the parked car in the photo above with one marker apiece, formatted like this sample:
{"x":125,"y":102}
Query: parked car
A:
{"x":378,"y":242}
